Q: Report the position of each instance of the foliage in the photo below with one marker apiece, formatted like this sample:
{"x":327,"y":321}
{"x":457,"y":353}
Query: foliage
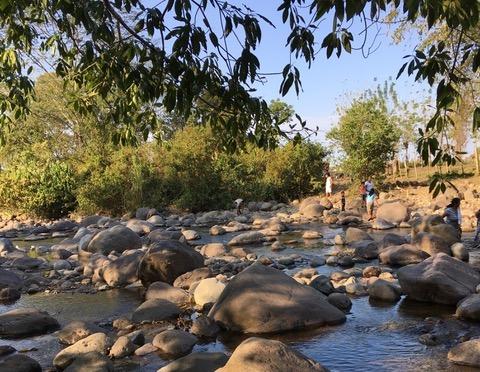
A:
{"x":367,"y":137}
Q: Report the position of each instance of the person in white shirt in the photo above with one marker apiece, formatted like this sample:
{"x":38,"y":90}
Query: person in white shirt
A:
{"x":239,"y":206}
{"x":328,"y":185}
{"x":368,"y":186}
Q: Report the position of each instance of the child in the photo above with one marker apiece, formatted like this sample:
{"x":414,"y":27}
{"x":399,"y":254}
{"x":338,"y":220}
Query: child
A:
{"x":370,"y":200}
{"x":239,"y":206}
{"x":343,"y":200}
{"x":478,"y":225}
{"x":453,"y":216}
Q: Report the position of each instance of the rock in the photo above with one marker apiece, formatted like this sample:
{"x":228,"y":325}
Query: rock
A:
{"x":392,"y":239}
{"x":8,"y":279}
{"x":140,"y":227}
{"x":6,"y":246}
{"x":156,"y":220}
{"x":459,"y":251}
{"x":118,"y":238}
{"x":145,"y":349}
{"x":354,"y":235}
{"x":63,"y":225}
{"x":197,"y":362}
{"x":393,"y":212}
{"x":332,"y":260}
{"x":6,"y":350}
{"x":370,"y":271}
{"x":431,"y":244}
{"x":469,"y":308}
{"x":90,"y":220}
{"x":339,"y":240}
{"x":123,"y":270}
{"x":166,"y":260}
{"x":155,"y":310}
{"x":98,"y":342}
{"x":184,"y":281}
{"x":213,"y":250}
{"x":246,"y":238}
{"x":439,"y":279}
{"x":380,"y":224}
{"x":174,"y":342}
{"x":254,"y":301}
{"x":217,"y":230}
{"x":190,"y":235}
{"x":312,"y":211}
{"x":401,"y":255}
{"x":27,"y":263}
{"x":345,"y":261}
{"x":340,"y":301}
{"x":75,"y":331}
{"x":312,"y":234}
{"x":204,"y":327}
{"x":322,"y":284}
{"x":122,"y":347}
{"x":466,"y":353}
{"x":269,"y":356}
{"x":20,"y":363}
{"x":317,"y":261}
{"x":208,"y":291}
{"x":25,"y":322}
{"x":164,"y":291}
{"x":61,"y":265}
{"x":367,"y":249}
{"x":90,"y":362}
{"x":9,"y":295}
{"x":159,"y":235}
{"x":384,"y":291}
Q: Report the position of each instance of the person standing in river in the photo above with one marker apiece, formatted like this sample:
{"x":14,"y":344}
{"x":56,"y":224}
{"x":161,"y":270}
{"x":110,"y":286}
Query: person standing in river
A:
{"x":328,"y":185}
{"x":370,"y":202}
{"x":453,"y":216}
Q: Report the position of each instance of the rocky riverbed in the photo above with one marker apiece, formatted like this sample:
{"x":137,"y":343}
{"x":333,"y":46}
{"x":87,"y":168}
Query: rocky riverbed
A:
{"x":300,"y":287}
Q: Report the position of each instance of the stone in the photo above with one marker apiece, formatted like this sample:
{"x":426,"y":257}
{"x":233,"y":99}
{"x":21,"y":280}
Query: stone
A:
{"x":370,"y":271}
{"x":312,"y":211}
{"x":393,"y":212}
{"x":354,"y":234}
{"x":184,"y":281}
{"x":155,"y":310}
{"x":91,"y":362}
{"x":122,"y":347}
{"x":75,"y":331}
{"x":123,"y":270}
{"x":439,"y":279}
{"x":247,"y":238}
{"x":380,"y":224}
{"x":19,"y":363}
{"x":469,"y":308}
{"x":401,"y":255}
{"x":9,"y":295}
{"x":97,"y":342}
{"x":384,"y":291}
{"x":312,"y":234}
{"x":156,"y":220}
{"x":27,"y":263}
{"x":345,"y":261}
{"x":140,"y":227}
{"x":61,"y":265}
{"x":367,"y":249}
{"x":254,"y":301}
{"x":431,"y":244}
{"x":8,"y":279}
{"x":6,"y":246}
{"x":90,"y":220}
{"x":466,"y":353}
{"x":164,"y":291}
{"x":204,"y":327}
{"x":159,"y":235}
{"x":213,"y":250}
{"x":208,"y":291}
{"x":322,"y":284}
{"x":118,"y":238}
{"x":166,"y":260}
{"x":197,"y":362}
{"x":392,"y":239}
{"x":317,"y":261}
{"x":217,"y":230}
{"x":6,"y":350}
{"x":145,"y":349}
{"x":174,"y":342}
{"x":190,"y":235}
{"x":459,"y":251}
{"x":25,"y":322}
{"x":262,"y":355}
{"x":339,"y":240}
{"x":340,"y":301}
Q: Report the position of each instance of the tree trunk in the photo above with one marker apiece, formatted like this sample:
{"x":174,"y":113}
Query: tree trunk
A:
{"x":415,"y":166}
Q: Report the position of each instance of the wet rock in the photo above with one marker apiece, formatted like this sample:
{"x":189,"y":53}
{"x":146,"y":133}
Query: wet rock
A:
{"x":270,"y":356}
{"x":118,"y":238}
{"x":402,"y":255}
{"x":75,"y":331}
{"x":204,"y":327}
{"x":191,"y":235}
{"x":469,"y":308}
{"x":246,"y":238}
{"x":27,"y":263}
{"x":122,"y":347}
{"x":339,"y":240}
{"x":340,"y":301}
{"x":439,"y":279}
{"x":208,"y":291}
{"x":317,"y":261}
{"x":6,"y":246}
{"x":91,"y":362}
{"x":354,"y":235}
{"x":61,"y":265}
{"x":145,"y":349}
{"x":345,"y":261}
{"x":164,"y":291}
{"x":155,"y":310}
{"x":380,"y":224}
{"x":174,"y":342}
{"x":213,"y":250}
{"x":384,"y":291}
{"x":393,"y":212}
{"x":367,"y":249}
{"x":459,"y":251}
{"x":332,"y":260}
{"x":9,"y":295}
{"x":197,"y":362}
{"x":184,"y":281}
{"x":431,"y":244}
{"x":25,"y":322}
{"x":20,"y":363}
{"x":322,"y":284}
{"x":370,"y":271}
{"x":159,"y":235}
{"x":123,"y":270}
{"x":312,"y":234}
{"x":97,"y":342}
{"x":217,"y":230}
{"x":255,"y":299}
{"x":466,"y":353}
{"x":166,"y":260}
{"x":6,"y":350}
{"x":391,"y":240}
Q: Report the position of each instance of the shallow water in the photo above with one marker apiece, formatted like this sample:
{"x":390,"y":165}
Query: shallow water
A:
{"x":375,"y":337}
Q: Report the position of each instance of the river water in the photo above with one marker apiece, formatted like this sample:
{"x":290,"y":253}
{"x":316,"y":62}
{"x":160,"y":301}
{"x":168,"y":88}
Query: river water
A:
{"x":375,"y":337}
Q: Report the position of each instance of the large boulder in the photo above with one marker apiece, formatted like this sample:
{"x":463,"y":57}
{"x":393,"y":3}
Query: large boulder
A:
{"x":20,"y":363}
{"x":174,"y":342}
{"x":155,"y":310}
{"x":164,"y":291}
{"x":24,"y":322}
{"x":208,"y":291}
{"x":392,"y":239}
{"x":118,"y":238}
{"x":197,"y":362}
{"x":367,"y":249}
{"x":436,"y":225}
{"x":90,"y":220}
{"x":354,"y":234}
{"x":75,"y":331}
{"x":262,"y":355}
{"x":431,"y":244}
{"x":466,"y":353}
{"x":140,"y":227}
{"x":8,"y":279}
{"x":313,"y":211}
{"x":439,"y":279}
{"x":91,"y":362}
{"x":123,"y":270}
{"x":166,"y":260}
{"x":246,"y":238}
{"x":213,"y":250}
{"x":184,"y":281}
{"x":159,"y":235}
{"x":256,"y":301}
{"x":384,"y":291}
{"x":393,"y":212}
{"x":469,"y":308}
{"x":402,"y":255}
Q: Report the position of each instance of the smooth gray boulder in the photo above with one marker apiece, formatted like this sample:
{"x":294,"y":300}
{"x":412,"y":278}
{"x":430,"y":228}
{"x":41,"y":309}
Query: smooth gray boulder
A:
{"x":354,"y":234}
{"x":197,"y":362}
{"x":25,"y":322}
{"x":155,"y":310}
{"x":118,"y":238}
{"x":402,"y":255}
{"x":123,"y":270}
{"x":174,"y":342}
{"x":466,"y":353}
{"x":469,"y":308}
{"x":76,"y":330}
{"x":19,"y":363}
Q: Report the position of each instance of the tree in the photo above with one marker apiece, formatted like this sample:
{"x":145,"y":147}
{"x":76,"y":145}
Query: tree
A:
{"x":367,"y":137}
